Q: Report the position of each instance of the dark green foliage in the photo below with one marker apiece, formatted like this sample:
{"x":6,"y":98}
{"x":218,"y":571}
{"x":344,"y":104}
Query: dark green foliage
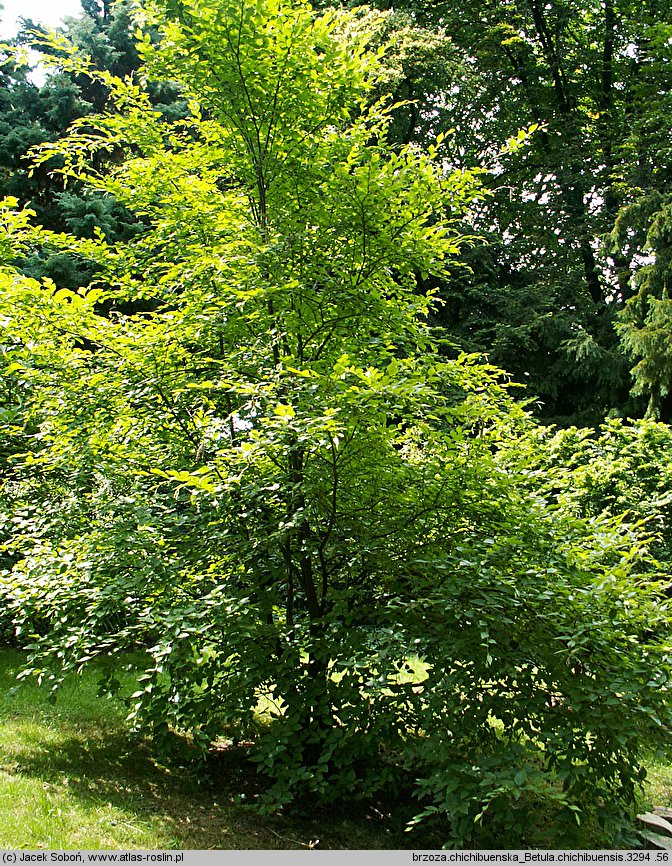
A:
{"x":543,"y":297}
{"x":645,"y":324}
{"x":32,"y":114}
{"x":493,"y":309}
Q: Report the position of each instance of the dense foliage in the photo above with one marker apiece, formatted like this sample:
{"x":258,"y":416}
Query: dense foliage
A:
{"x":242,"y":446}
{"x":35,"y":109}
{"x":573,"y":217}
{"x":566,"y":287}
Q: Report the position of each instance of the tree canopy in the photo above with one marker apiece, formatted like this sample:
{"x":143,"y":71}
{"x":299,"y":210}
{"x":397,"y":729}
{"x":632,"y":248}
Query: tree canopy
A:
{"x":244,"y":442}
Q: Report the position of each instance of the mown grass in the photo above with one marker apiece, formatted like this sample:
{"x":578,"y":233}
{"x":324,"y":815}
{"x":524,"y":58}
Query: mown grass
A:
{"x":72,"y":776}
{"x":658,"y":786}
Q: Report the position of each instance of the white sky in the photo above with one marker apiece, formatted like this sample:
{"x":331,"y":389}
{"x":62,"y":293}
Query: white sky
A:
{"x":49,"y":12}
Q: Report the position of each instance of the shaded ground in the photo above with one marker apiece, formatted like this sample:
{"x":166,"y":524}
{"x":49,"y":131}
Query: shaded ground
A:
{"x":72,"y":776}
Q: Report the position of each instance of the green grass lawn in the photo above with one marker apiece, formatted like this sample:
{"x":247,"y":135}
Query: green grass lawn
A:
{"x":73,"y":776}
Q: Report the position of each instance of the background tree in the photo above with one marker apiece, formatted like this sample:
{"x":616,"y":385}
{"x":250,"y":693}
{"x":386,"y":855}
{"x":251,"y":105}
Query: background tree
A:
{"x":543,"y":294}
{"x":38,"y":108}
{"x":645,"y":324}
